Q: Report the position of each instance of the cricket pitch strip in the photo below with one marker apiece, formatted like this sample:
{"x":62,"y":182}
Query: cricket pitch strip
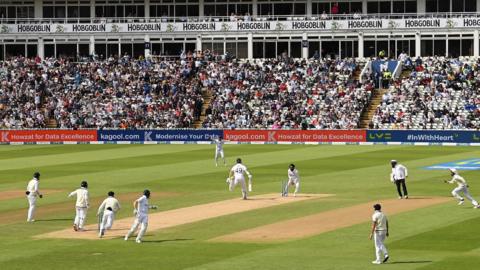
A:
{"x":176,"y":217}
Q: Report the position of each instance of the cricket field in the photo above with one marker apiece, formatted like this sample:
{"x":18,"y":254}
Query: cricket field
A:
{"x":201,"y":225}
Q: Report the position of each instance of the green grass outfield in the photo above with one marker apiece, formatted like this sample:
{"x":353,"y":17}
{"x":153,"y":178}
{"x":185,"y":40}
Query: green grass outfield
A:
{"x":444,"y":236}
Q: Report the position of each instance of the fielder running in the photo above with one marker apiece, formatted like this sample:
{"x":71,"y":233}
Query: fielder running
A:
{"x":398,"y":176}
{"x":81,"y":206}
{"x":32,"y":193}
{"x":237,"y":177}
{"x":140,"y":210}
{"x":107,"y":211}
{"x":379,"y":232}
{"x":293,"y":180}
{"x":462,"y":186}
{"x":219,"y":150}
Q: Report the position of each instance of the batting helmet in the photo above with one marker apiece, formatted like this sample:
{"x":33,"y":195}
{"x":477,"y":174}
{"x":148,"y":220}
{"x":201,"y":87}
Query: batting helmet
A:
{"x":377,"y":207}
{"x":111,"y":193}
{"x":291,"y":166}
{"x":146,"y":192}
{"x":36,"y":175}
{"x":84,"y":184}
{"x":453,"y":170}
{"x":239,"y":160}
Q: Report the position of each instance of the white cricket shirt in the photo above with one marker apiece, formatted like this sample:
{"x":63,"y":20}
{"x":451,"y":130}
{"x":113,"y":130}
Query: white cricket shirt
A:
{"x":380,"y":220}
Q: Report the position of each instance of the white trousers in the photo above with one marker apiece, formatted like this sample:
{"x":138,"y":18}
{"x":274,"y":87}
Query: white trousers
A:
{"x":240,"y":181}
{"x":292,"y":182}
{"x":141,"y":220}
{"x":219,"y":153}
{"x":32,"y":200}
{"x":107,"y":220}
{"x":80,"y":216}
{"x":456,"y":194}
{"x":379,"y":238}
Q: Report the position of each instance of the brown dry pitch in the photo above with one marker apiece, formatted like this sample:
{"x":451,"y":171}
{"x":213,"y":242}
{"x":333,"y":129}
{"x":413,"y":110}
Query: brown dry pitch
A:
{"x":44,"y":212}
{"x":176,"y":217}
{"x":327,"y":221}
{"x":19,"y":193}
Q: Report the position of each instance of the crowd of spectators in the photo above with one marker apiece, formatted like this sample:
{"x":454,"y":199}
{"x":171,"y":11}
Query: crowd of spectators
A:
{"x":137,"y":93}
{"x":115,"y":93}
{"x":440,"y":93}
{"x":285,"y":94}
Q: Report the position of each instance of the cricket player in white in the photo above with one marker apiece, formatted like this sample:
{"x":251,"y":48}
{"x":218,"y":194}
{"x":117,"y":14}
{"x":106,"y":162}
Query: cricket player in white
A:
{"x":81,"y":206}
{"x":140,"y":210}
{"x":293,"y":180}
{"x":237,"y":177}
{"x":107,"y":211}
{"x":32,"y":193}
{"x":462,"y":186}
{"x":219,"y":150}
{"x":398,"y":176}
{"x":379,"y":232}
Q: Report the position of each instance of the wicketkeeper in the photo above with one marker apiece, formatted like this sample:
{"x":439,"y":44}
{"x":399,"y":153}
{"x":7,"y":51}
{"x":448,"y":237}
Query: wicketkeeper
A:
{"x":293,"y":180}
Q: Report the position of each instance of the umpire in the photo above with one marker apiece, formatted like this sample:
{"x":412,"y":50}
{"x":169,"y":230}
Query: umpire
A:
{"x":398,"y":176}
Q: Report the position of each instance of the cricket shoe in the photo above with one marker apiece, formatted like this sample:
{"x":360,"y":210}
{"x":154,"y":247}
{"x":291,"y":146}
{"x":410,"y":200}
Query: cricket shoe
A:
{"x":102,"y":232}
{"x":126,"y":238}
{"x":138,"y":241}
{"x":476,"y":206}
{"x":385,"y":259}
{"x":461,"y":202}
{"x":400,"y":197}
{"x":75,"y":228}
{"x":376,"y":262}
{"x":406,"y":196}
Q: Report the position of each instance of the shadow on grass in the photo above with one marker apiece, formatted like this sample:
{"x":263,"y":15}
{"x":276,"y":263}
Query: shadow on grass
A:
{"x":408,"y":262}
{"x":166,"y":240}
{"x":53,"y":219}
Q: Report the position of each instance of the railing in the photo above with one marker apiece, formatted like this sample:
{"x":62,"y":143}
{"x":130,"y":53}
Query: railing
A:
{"x":398,"y":70}
{"x":354,"y":16}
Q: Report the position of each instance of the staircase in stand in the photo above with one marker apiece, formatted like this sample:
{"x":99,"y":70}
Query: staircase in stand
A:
{"x":52,"y":123}
{"x":356,"y":74}
{"x":368,"y":114}
{"x":207,"y":97}
{"x":405,"y":73}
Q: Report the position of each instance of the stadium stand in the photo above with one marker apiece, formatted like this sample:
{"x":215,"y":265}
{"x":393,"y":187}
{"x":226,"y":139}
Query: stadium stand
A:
{"x":116,"y":93}
{"x":440,"y":93}
{"x":291,"y":94}
{"x":307,"y":64}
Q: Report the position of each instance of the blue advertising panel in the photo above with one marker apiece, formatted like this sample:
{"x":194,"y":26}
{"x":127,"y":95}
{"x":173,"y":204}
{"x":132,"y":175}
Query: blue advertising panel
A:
{"x":158,"y":135}
{"x":466,"y":164}
{"x":427,"y":136}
